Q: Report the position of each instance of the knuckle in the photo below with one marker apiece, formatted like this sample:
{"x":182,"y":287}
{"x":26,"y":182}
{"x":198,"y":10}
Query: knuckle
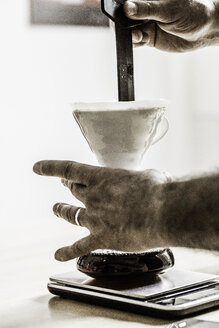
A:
{"x":92,"y":200}
{"x":147,"y":8}
{"x":68,"y":213}
{"x":74,"y":187}
{"x":77,"y":249}
{"x":85,"y":218}
{"x":82,"y":213}
{"x":67,"y":171}
{"x":71,"y":186}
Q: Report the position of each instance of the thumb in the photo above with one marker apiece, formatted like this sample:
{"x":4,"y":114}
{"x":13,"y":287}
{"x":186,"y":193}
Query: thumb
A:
{"x":169,"y":42}
{"x":152,"y":35}
{"x":80,"y":248}
{"x":151,"y":10}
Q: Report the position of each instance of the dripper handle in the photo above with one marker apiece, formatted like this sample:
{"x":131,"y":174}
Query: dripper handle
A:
{"x":162,"y":130}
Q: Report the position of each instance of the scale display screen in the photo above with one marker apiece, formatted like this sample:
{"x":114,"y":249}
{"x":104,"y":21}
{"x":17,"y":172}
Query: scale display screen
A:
{"x":191,"y":296}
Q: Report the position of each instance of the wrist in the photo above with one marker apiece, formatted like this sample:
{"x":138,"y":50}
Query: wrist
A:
{"x":160,"y":225}
{"x":189,"y":214}
{"x":168,"y":214}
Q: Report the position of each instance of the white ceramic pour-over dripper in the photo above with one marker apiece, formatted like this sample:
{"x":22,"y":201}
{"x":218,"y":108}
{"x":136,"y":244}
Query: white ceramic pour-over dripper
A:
{"x":119,"y":133}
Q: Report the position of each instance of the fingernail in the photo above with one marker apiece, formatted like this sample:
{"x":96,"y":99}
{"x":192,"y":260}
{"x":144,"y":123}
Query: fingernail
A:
{"x":37,"y":168}
{"x":137,"y":36}
{"x":131,"y":8}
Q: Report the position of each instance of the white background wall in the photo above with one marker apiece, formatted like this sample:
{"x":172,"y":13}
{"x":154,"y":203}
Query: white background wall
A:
{"x":43,"y":69}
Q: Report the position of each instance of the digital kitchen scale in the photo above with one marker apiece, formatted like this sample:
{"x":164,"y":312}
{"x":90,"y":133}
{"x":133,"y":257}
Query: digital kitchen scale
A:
{"x":174,"y":293}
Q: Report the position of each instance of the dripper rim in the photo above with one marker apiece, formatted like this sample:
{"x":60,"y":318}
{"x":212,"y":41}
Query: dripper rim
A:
{"x":123,"y":105}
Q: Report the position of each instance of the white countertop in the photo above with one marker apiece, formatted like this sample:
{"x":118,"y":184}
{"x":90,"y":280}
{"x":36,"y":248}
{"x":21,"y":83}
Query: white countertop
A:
{"x":27,"y":262}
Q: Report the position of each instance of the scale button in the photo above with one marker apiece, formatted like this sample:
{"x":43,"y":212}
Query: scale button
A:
{"x":182,"y":324}
{"x":179,"y":325}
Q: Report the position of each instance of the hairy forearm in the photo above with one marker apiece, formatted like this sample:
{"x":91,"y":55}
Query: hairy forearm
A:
{"x":190,"y":213}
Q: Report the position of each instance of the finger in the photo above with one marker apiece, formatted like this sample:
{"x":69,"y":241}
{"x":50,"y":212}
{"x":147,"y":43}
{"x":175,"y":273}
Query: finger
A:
{"x":154,"y":36}
{"x":139,"y":37}
{"x":68,"y":212}
{"x":81,"y":247}
{"x":158,"y":176}
{"x":78,"y":190}
{"x":151,"y":10}
{"x":139,"y":45}
{"x":146,"y":35}
{"x":76,"y":172}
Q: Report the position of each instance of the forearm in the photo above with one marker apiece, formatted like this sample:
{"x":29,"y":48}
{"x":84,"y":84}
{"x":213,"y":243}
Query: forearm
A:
{"x":190,"y":213}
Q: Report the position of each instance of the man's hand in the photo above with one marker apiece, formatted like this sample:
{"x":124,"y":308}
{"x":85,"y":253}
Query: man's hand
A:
{"x":175,"y":25}
{"x":122,"y":207}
